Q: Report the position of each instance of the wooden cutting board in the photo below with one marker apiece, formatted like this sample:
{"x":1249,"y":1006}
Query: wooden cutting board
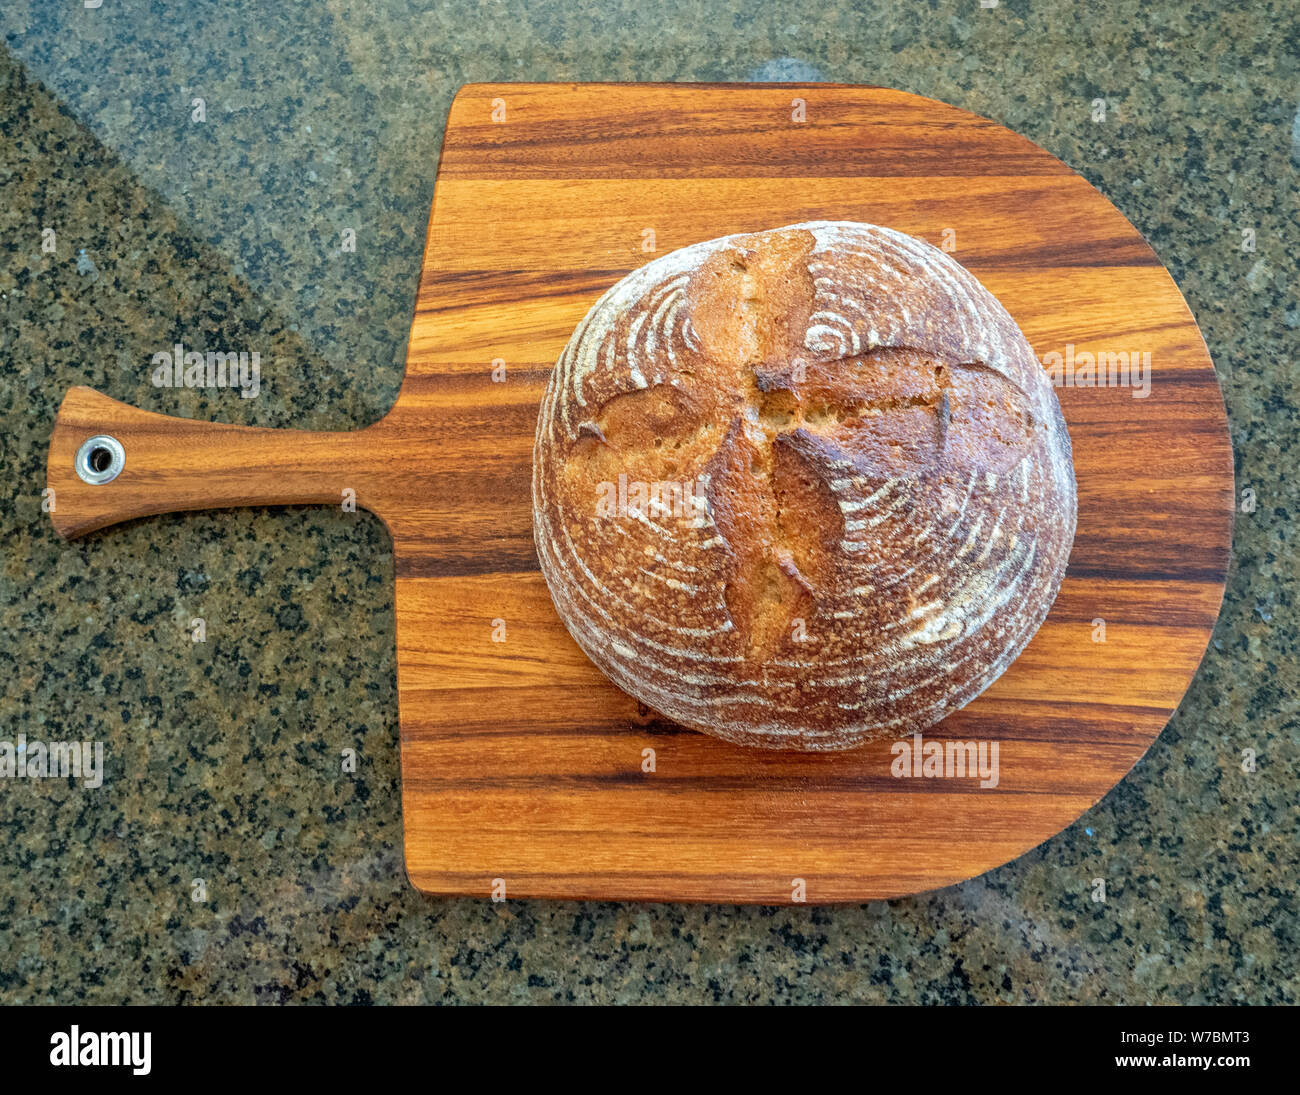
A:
{"x":525,"y":772}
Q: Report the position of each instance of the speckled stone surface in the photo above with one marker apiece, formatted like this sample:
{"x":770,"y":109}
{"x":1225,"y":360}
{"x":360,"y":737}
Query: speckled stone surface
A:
{"x":222,"y":758}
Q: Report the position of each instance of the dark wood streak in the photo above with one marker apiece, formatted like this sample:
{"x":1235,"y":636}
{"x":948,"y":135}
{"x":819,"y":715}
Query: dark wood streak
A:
{"x":519,"y":557}
{"x":697,"y":784}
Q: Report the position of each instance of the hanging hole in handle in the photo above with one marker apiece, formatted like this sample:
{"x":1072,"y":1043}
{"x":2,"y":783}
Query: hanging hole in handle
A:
{"x":100,"y":459}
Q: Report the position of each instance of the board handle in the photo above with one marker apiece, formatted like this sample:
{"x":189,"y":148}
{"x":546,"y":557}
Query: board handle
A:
{"x":110,"y":462}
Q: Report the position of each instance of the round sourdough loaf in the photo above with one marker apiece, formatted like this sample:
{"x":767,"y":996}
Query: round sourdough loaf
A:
{"x":804,"y":488}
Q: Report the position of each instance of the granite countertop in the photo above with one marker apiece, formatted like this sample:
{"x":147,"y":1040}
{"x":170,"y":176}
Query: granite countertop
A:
{"x":197,"y":164}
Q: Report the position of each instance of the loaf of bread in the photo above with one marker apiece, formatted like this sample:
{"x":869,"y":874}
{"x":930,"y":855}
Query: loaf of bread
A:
{"x":804,"y":488}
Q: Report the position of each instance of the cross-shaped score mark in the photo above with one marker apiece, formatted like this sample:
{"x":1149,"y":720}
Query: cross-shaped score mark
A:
{"x":791,"y":426}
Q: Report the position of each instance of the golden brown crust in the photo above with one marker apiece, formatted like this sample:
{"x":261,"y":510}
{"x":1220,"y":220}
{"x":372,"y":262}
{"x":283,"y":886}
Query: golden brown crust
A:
{"x":802,"y":488}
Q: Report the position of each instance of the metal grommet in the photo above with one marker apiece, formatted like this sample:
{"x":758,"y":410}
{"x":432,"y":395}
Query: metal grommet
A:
{"x":100,"y":459}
